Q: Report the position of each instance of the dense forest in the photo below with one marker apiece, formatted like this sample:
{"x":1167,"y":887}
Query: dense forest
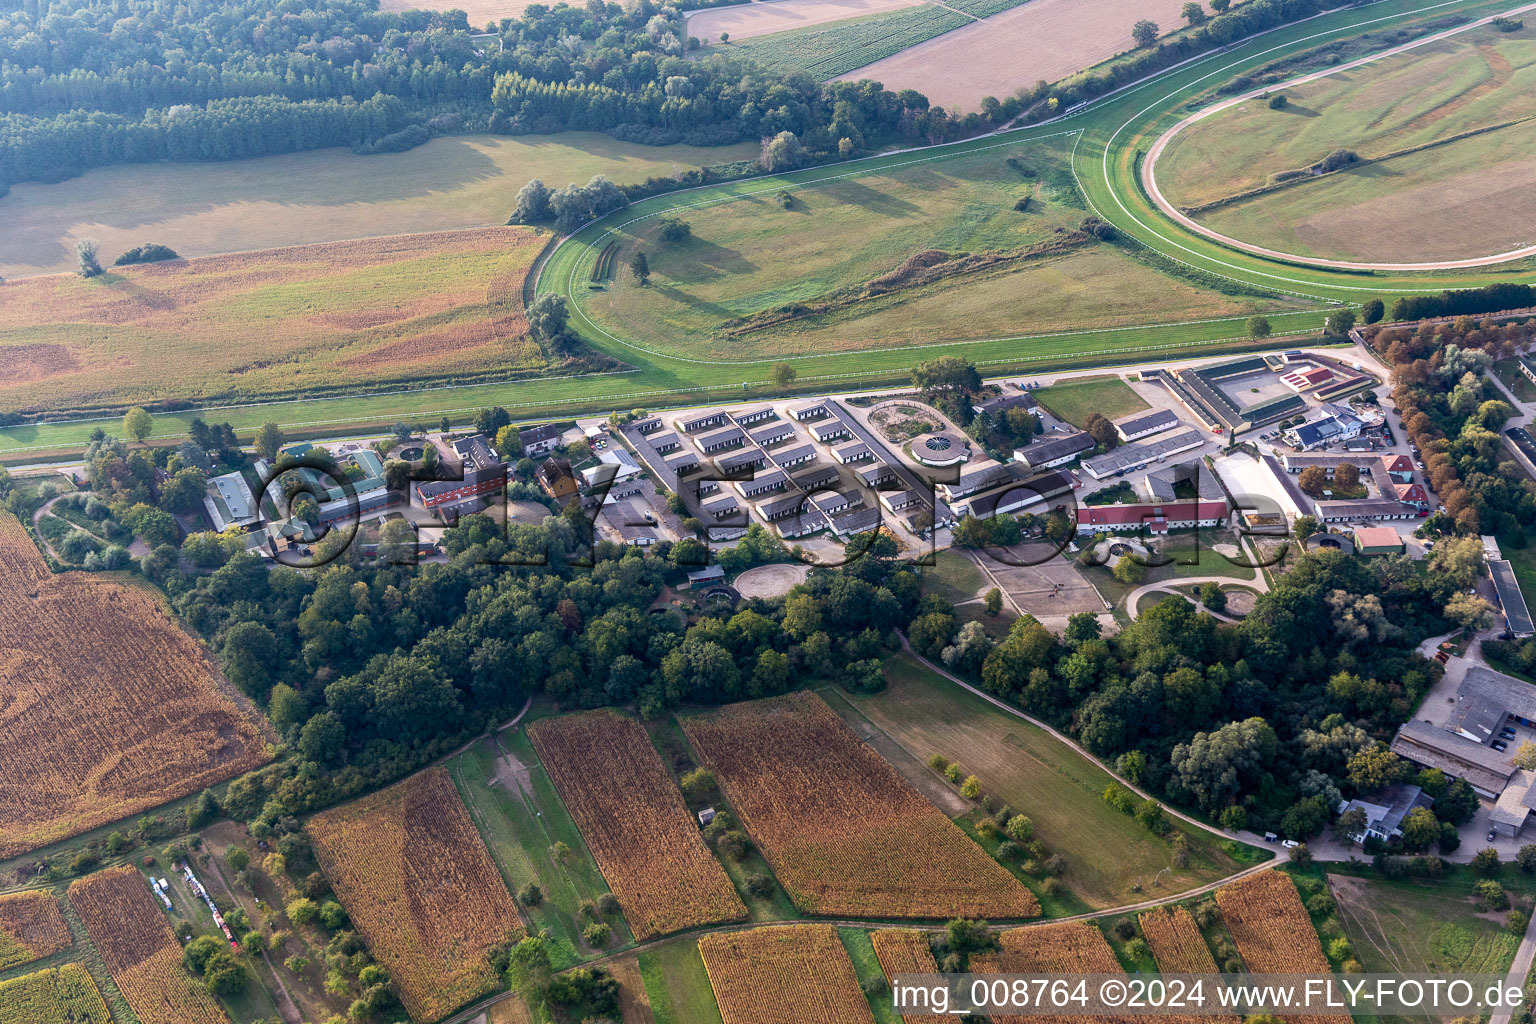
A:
{"x":97,"y":82}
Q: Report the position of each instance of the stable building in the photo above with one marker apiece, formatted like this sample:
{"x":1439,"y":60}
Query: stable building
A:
{"x":1135,"y":428}
{"x":875,"y":475}
{"x":1377,"y":540}
{"x":1050,"y":450}
{"x":832,"y":430}
{"x":816,"y":478}
{"x":782,"y":506}
{"x":849,"y":454}
{"x":742,"y":462}
{"x":1137,"y":456}
{"x":665,"y":444}
{"x":721,"y":440}
{"x":1364,"y":508}
{"x":759,"y":414}
{"x":774,"y":433}
{"x":682,"y":463}
{"x":767,"y":483}
{"x":229,"y":502}
{"x":799,"y":455}
{"x":1511,"y":600}
{"x":1154,"y":519}
{"x":806,"y":411}
{"x":721,"y":506}
{"x":693,"y":423}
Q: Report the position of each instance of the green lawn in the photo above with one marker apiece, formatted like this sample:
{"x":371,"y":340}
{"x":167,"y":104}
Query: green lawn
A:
{"x":1073,"y":400}
{"x":677,"y":984}
{"x":1510,"y":375}
{"x":519,"y":827}
{"x":866,"y":964}
{"x":953,"y":576}
{"x":1107,"y":853}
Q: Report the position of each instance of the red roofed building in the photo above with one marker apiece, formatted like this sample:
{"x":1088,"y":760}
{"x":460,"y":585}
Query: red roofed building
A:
{"x":1158,"y":519}
{"x":1400,"y":466}
{"x":1412,"y":494}
{"x":1305,"y":380}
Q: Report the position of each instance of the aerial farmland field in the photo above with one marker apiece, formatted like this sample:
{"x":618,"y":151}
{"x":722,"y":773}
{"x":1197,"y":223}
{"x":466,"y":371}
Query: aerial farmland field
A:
{"x":915,"y":255}
{"x":414,"y":875}
{"x":743,"y":21}
{"x":804,"y":784}
{"x":636,"y":823}
{"x":143,"y":955}
{"x":1106,"y":853}
{"x":1043,"y":40}
{"x":58,"y":995}
{"x":799,"y":973}
{"x":321,"y":195}
{"x":338,"y":315}
{"x":1445,"y":131}
{"x":1270,"y":926}
{"x":31,"y":928}
{"x":107,"y":707}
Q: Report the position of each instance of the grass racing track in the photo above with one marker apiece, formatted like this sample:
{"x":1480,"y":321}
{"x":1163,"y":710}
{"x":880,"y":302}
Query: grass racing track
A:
{"x":1107,"y":137}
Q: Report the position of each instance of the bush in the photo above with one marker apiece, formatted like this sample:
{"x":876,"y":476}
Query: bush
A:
{"x":1278,"y":101}
{"x":148,"y":253}
{"x":1486,"y":861}
{"x":597,"y":935}
{"x":1490,"y":895}
{"x":302,"y":910}
{"x":1517,"y":922}
{"x":759,"y":886}
{"x":675,"y":229}
{"x":530,"y":895}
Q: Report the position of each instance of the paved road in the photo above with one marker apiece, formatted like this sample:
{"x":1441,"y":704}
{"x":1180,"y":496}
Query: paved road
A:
{"x":1519,"y":969}
{"x":1133,"y":600}
{"x":1149,"y":180}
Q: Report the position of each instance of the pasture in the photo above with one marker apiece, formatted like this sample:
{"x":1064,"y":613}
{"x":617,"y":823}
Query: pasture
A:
{"x":308,"y":318}
{"x":31,"y":928}
{"x":520,"y":816}
{"x":1106,"y":852}
{"x":414,"y":876}
{"x":1040,"y":40}
{"x":60,"y":995}
{"x":1072,"y":400}
{"x":914,"y":255}
{"x":320,"y":195}
{"x":830,"y":50}
{"x":107,"y":707}
{"x":803,"y":785}
{"x":633,"y":817}
{"x":677,"y":985}
{"x":1470,"y":99}
{"x":135,"y":941}
{"x":799,"y":973}
{"x":1409,"y":927}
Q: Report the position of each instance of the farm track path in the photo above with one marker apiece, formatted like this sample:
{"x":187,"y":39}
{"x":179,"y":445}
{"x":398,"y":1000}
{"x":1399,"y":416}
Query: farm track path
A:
{"x":1149,"y":179}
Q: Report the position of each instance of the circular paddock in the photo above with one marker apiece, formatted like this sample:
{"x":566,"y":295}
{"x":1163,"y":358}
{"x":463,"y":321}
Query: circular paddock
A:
{"x":771,"y":580}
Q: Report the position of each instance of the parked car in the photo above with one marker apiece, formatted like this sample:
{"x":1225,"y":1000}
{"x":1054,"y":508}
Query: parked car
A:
{"x":1491,"y":834}
{"x":1506,"y":733}
{"x":1500,"y":746}
{"x":1290,"y":844}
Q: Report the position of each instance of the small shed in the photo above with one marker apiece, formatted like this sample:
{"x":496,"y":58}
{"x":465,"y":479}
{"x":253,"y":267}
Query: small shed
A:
{"x":706,"y":816}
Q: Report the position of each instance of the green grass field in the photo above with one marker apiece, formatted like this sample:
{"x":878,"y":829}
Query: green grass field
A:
{"x":1106,"y":852}
{"x":677,"y":984}
{"x":750,"y":257}
{"x":866,"y":964}
{"x":317,"y":196}
{"x":1404,"y":927}
{"x":521,"y":818}
{"x":1456,"y":200}
{"x":1072,"y":401}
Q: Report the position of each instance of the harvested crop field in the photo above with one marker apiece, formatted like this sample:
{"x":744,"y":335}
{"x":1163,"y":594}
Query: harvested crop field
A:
{"x":1265,"y":917}
{"x":319,"y":195}
{"x":62,"y":995}
{"x":480,"y":13}
{"x":635,"y":822}
{"x":843,"y":831}
{"x":1074,"y":947}
{"x":1042,"y":39}
{"x":31,"y":928}
{"x":906,"y":952}
{"x":1270,"y":926}
{"x":135,"y":941}
{"x":743,"y":21}
{"x":417,"y":881}
{"x":1176,"y":941}
{"x":277,"y":321}
{"x":800,"y":973}
{"x":107,"y":707}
